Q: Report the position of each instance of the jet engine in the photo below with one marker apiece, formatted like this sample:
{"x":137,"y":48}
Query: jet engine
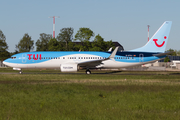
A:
{"x":69,"y":67}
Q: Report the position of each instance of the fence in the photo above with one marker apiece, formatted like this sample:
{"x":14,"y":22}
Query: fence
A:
{"x":2,"y":65}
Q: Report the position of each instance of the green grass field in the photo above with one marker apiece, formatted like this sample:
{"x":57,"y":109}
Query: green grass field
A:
{"x":110,"y":96}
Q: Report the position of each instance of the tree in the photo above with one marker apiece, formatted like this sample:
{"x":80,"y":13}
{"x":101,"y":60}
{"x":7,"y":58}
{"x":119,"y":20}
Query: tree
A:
{"x":25,"y":44}
{"x":13,"y":53}
{"x":178,"y":53}
{"x":4,"y":54}
{"x":109,"y":44}
{"x":54,"y":45}
{"x":65,"y":36}
{"x":72,"y":47}
{"x":84,"y":34}
{"x":86,"y":46}
{"x":42,"y":42}
{"x":166,"y":59}
{"x":98,"y":44}
{"x":174,"y":52}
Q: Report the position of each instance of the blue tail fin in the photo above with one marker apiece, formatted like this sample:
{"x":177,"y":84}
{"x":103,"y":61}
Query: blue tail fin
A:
{"x":159,"y":40}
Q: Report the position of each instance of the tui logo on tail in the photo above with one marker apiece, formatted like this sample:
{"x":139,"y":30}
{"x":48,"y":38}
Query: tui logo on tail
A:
{"x":155,"y":41}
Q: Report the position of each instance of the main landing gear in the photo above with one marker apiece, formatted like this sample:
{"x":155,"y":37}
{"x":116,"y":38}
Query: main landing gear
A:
{"x":88,"y":72}
{"x":20,"y":72}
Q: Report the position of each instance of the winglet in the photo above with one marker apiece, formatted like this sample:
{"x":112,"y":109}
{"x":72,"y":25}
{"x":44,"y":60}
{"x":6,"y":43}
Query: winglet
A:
{"x":110,"y":49}
{"x":113,"y":53}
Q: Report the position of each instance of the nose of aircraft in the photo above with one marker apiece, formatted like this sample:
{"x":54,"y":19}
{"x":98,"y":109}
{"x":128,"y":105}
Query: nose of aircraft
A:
{"x":5,"y":62}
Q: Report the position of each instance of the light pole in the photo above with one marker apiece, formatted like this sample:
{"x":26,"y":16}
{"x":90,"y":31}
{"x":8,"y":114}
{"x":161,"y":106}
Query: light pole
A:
{"x":148,"y":31}
{"x":54,"y":24}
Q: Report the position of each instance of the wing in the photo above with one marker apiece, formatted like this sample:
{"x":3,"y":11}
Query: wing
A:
{"x":93,"y":63}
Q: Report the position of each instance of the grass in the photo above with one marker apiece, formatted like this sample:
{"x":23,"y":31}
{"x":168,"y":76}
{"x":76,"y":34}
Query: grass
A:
{"x":98,"y":96}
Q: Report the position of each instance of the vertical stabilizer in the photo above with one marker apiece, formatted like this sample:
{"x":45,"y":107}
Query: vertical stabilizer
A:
{"x":158,"y":41}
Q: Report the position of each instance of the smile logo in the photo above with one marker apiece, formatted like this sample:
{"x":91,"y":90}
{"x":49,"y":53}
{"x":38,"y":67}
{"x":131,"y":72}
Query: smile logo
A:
{"x":155,"y":41}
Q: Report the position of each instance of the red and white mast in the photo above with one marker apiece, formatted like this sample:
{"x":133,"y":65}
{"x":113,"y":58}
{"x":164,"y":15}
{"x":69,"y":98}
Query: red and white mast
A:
{"x":54,"y":24}
{"x":148,"y":31}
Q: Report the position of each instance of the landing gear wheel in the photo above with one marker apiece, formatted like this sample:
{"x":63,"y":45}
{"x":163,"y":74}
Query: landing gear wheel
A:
{"x":88,"y":72}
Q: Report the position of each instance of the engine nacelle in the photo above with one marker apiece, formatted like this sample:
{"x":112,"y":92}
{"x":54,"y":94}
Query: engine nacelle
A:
{"x":16,"y":68}
{"x":69,"y":67}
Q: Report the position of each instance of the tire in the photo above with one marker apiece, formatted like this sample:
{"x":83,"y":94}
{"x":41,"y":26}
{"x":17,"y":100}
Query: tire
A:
{"x":88,"y":72}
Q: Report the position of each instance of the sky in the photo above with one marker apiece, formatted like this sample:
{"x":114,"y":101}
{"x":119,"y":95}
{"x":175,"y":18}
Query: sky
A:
{"x":123,"y":21}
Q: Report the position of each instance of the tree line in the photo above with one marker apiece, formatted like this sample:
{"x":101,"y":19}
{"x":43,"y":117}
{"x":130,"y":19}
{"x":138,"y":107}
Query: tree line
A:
{"x":63,"y":42}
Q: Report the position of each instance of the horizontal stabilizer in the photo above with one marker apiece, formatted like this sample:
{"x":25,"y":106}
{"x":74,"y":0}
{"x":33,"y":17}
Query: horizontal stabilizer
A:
{"x":162,"y":54}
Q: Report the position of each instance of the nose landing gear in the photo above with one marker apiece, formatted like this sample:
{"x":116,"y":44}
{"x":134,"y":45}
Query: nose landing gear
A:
{"x":20,"y":72}
{"x":88,"y":72}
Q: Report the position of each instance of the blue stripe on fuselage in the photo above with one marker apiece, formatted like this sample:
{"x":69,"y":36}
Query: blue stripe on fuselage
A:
{"x":124,"y":56}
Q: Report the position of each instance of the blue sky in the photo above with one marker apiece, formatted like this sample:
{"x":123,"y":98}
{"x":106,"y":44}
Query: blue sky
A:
{"x":124,"y":21}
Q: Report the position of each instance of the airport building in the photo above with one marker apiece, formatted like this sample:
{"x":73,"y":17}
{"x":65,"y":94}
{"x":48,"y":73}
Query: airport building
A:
{"x":172,"y":58}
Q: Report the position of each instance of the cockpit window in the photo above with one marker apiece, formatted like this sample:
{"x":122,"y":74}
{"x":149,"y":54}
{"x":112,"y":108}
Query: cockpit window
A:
{"x":13,"y":57}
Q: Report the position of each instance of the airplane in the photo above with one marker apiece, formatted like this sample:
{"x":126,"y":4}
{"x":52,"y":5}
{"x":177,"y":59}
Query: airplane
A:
{"x":72,"y":61}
